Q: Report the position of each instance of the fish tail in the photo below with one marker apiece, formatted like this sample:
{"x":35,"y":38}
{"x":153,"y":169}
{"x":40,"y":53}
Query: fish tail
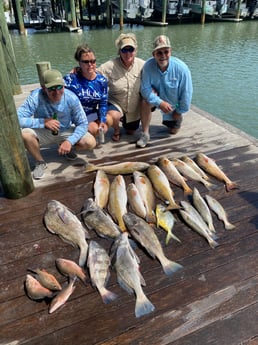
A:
{"x":83,"y":255}
{"x":143,"y":306}
{"x":171,"y":235}
{"x":213,"y":243}
{"x":173,"y":206}
{"x":208,"y":185}
{"x":187,"y":190}
{"x":170,"y":267}
{"x":108,"y":296}
{"x":231,"y":185}
{"x":90,"y":167}
{"x":229,"y":226}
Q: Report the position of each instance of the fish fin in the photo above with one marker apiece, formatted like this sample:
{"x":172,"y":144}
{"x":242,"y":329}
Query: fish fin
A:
{"x":208,"y":185}
{"x":90,"y":167}
{"x":108,"y":296}
{"x":229,"y":226}
{"x":230,"y":186}
{"x":171,"y":267}
{"x":83,"y":254}
{"x":188,"y":190}
{"x":143,"y":306}
{"x":173,"y":206}
{"x":124,"y":285}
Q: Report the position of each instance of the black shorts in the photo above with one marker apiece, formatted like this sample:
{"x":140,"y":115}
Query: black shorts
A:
{"x":131,"y":126}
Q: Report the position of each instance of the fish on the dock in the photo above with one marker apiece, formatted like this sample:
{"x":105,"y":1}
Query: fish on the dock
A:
{"x":161,"y":186}
{"x":46,"y":279}
{"x":101,"y":189}
{"x":61,"y":298}
{"x":35,"y":290}
{"x":99,"y":220}
{"x":99,"y":263}
{"x":202,"y":207}
{"x":61,"y":221}
{"x":145,"y":235}
{"x":210,"y":166}
{"x":135,"y":200}
{"x":216,"y":207}
{"x":193,"y":221}
{"x":173,"y":174}
{"x":129,"y":277}
{"x":166,"y":221}
{"x":70,"y":269}
{"x":145,"y":188}
{"x":119,"y":168}
{"x":190,"y":173}
{"x":117,"y":202}
{"x":194,"y":166}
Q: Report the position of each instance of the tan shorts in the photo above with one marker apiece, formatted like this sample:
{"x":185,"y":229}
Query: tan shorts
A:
{"x":46,"y":138}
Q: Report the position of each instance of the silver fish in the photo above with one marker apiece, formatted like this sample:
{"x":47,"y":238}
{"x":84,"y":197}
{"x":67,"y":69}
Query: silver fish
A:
{"x":35,"y":290}
{"x":61,"y":221}
{"x":101,"y":189}
{"x":135,"y":200}
{"x":98,"y":263}
{"x":61,"y":298}
{"x":146,"y":236}
{"x":188,"y":172}
{"x":126,"y":264}
{"x":162,"y":186}
{"x":117,"y":202}
{"x":71,"y":269}
{"x":202,"y":207}
{"x":144,"y":186}
{"x":119,"y":168}
{"x":194,"y":166}
{"x":98,"y":219}
{"x":166,"y":221}
{"x":173,"y":174}
{"x":194,"y":223}
{"x":219,"y":210}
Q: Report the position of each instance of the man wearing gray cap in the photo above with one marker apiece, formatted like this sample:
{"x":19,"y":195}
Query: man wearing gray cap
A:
{"x":53,"y":115}
{"x":166,"y":83}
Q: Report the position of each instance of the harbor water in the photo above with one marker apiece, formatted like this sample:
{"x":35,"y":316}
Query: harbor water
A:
{"x":222,"y":57}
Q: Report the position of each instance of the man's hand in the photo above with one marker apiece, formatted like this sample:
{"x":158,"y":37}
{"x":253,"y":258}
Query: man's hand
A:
{"x":65,"y":147}
{"x":53,"y":125}
{"x":166,"y":107}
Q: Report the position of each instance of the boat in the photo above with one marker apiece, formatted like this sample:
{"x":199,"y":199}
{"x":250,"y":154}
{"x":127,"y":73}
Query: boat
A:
{"x":233,"y":9}
{"x":134,"y":9}
{"x":212,"y":7}
{"x":174,"y":9}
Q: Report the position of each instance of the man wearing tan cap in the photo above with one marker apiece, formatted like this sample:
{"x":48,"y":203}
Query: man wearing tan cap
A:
{"x":166,"y":84}
{"x":53,"y":115}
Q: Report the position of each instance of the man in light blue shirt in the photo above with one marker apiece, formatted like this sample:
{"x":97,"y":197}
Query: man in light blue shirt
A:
{"x":53,"y":115}
{"x":166,"y":84}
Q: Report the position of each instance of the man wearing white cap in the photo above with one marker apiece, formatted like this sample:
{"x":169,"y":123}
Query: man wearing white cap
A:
{"x":53,"y":115}
{"x":166,"y":84}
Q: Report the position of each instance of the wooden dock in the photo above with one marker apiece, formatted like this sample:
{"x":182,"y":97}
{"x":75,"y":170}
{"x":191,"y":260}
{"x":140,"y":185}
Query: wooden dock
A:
{"x":213,"y":300}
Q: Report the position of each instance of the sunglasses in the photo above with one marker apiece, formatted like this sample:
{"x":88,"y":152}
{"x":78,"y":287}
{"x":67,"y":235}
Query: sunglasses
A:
{"x":54,"y":88}
{"x":127,"y":50}
{"x":161,"y":53}
{"x":88,"y":61}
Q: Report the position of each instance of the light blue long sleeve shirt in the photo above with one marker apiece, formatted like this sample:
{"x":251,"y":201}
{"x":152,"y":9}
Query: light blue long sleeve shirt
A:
{"x":37,"y":107}
{"x":173,"y":86}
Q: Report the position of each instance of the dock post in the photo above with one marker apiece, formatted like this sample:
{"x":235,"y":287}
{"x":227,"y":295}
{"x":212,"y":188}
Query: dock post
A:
{"x":121,"y":14}
{"x":203,"y":12}
{"x":73,"y":14}
{"x":238,"y":9}
{"x":164,"y":11}
{"x":15,"y":174}
{"x":9,"y":56}
{"x":41,"y":68}
{"x":19,"y":17}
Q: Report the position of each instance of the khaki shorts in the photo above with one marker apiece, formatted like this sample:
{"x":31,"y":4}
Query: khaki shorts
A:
{"x":46,"y":138}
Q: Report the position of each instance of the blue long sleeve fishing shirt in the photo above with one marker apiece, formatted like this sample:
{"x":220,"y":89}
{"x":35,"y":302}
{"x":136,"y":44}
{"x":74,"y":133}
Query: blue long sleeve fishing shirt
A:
{"x":69,"y":111}
{"x":93,"y":94}
{"x":173,"y":86}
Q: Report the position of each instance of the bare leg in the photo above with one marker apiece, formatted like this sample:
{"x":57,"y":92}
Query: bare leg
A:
{"x":116,"y":116}
{"x":32,"y":145}
{"x":145,"y":116}
{"x":88,"y":142}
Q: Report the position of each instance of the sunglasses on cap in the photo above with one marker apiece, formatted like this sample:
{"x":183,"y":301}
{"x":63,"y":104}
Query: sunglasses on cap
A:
{"x":88,"y":61}
{"x":56,"y":87}
{"x":127,"y":50}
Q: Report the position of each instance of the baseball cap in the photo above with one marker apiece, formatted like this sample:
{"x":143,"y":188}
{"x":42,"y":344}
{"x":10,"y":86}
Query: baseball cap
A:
{"x":127,"y":42}
{"x":124,"y":40}
{"x":52,"y":77}
{"x":161,"y":41}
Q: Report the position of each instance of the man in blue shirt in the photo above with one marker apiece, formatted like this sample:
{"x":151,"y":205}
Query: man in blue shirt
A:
{"x":53,"y":115}
{"x":166,"y":83}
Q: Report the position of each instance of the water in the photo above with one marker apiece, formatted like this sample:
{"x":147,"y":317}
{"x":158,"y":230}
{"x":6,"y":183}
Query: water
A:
{"x":222,"y":57}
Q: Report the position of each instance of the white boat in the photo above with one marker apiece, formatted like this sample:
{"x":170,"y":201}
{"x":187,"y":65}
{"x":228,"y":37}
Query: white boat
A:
{"x":233,"y":6}
{"x":210,"y":7}
{"x":134,"y":9}
{"x":174,"y":7}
